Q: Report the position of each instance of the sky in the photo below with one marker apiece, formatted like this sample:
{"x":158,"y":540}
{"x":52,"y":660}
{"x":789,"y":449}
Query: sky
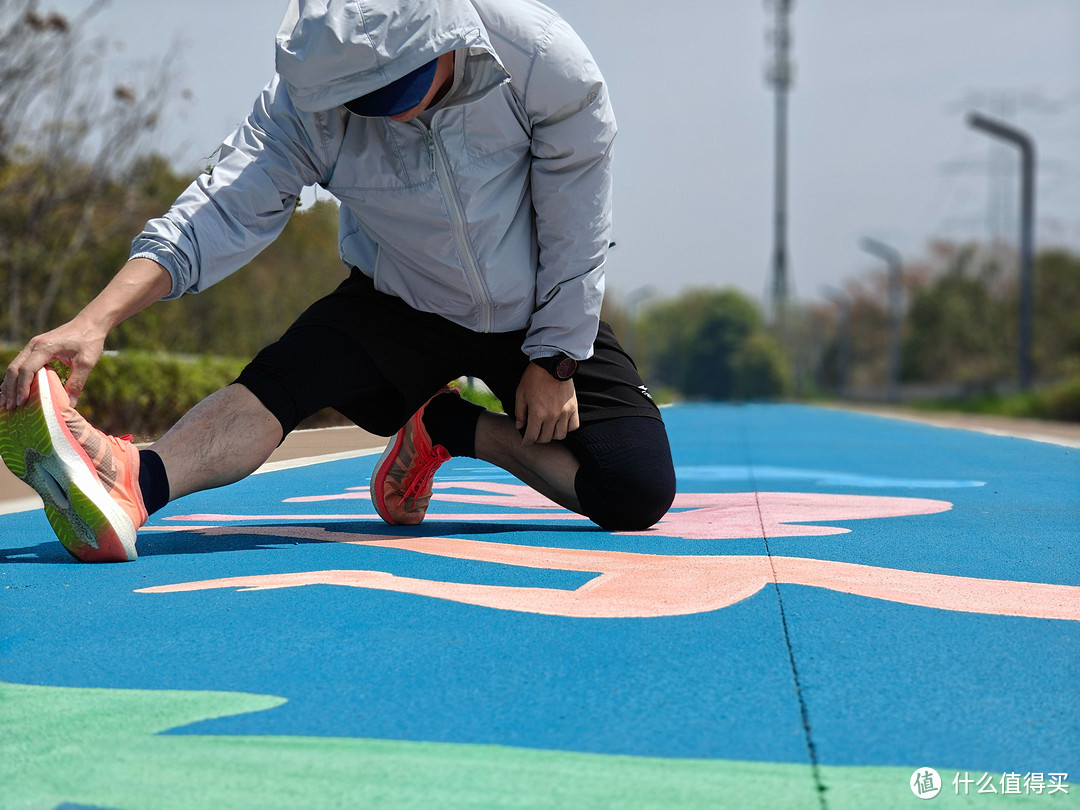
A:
{"x":879,"y":145}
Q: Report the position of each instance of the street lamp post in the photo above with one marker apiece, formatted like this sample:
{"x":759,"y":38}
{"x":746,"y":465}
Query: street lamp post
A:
{"x":892,"y":258}
{"x":1026,"y":145}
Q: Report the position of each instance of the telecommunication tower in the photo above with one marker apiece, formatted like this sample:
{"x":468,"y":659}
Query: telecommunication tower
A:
{"x":779,"y":73}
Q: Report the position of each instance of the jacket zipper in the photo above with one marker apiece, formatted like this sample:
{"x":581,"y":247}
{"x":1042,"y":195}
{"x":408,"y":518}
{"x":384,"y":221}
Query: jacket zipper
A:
{"x":457,"y":224}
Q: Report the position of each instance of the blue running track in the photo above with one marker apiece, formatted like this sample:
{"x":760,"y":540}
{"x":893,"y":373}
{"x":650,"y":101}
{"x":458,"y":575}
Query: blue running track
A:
{"x":840,"y":611}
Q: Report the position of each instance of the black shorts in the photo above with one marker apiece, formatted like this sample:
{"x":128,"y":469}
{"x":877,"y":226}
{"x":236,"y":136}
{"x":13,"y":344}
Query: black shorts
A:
{"x":377,"y":360}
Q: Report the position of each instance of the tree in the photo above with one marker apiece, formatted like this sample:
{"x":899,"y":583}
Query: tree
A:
{"x":961,"y":326}
{"x":67,"y":138}
{"x":759,"y":368}
{"x":712,"y":344}
{"x":1057,"y":314}
{"x":253,"y":307}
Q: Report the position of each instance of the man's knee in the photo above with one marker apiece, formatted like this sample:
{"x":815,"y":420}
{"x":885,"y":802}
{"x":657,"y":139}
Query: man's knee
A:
{"x":629,"y":496}
{"x":619,"y":504}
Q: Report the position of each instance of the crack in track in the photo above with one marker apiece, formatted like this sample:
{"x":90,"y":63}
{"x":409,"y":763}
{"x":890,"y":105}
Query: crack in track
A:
{"x":804,"y":714}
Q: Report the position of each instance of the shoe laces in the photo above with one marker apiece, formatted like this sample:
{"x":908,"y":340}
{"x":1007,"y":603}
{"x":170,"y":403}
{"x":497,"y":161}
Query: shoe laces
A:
{"x":424,"y":471}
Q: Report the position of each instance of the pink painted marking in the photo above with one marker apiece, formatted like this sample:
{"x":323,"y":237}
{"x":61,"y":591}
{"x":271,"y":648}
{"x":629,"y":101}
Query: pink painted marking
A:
{"x":631,"y":585}
{"x":697,"y":516}
{"x":708,"y":516}
{"x":644,"y":585}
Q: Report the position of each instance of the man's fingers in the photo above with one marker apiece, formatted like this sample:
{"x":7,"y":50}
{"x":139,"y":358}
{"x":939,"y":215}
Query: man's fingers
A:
{"x":552,"y":428}
{"x":521,"y":409}
{"x":532,"y":432}
{"x":545,"y":408}
{"x":9,"y":393}
{"x":547,"y":431}
{"x":77,"y":380}
{"x":22,"y":385}
{"x":20,"y":374}
{"x":539,"y":429}
{"x":561,"y":429}
{"x":7,"y":387}
{"x":543,"y":431}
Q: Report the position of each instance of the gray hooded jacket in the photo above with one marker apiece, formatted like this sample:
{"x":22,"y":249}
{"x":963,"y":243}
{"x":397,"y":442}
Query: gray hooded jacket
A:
{"x":496,"y":217}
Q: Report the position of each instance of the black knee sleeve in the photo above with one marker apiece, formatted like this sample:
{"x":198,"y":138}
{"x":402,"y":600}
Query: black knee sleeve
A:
{"x":626,"y":481}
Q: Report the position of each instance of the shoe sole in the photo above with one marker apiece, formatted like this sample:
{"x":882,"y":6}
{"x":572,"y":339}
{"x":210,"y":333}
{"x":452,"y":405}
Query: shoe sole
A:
{"x":378,"y":476}
{"x":38,"y":447}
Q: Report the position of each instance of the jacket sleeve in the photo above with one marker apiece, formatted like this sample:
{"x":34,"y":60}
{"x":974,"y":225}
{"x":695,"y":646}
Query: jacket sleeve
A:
{"x":573,"y":128}
{"x":227,"y":216}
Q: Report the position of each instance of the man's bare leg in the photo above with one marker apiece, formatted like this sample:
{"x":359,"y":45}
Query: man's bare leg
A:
{"x":223,"y":439}
{"x":550,"y":469}
{"x":230,"y":434}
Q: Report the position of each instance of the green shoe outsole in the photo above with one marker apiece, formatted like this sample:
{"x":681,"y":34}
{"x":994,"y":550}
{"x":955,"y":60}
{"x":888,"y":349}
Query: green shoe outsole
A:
{"x":37,"y":448}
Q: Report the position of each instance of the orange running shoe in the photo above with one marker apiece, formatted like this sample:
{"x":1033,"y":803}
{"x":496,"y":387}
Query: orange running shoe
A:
{"x":401,"y":482}
{"x":88,"y":480}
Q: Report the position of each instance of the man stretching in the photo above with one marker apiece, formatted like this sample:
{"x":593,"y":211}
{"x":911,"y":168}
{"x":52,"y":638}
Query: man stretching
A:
{"x":469,"y":143}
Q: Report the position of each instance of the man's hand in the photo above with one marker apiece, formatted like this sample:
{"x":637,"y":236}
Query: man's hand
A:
{"x":79,"y":343}
{"x":545,"y":407}
{"x":72,"y":344}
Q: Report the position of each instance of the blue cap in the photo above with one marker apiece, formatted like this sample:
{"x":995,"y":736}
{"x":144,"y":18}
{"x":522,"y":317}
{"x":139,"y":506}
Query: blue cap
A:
{"x":398,"y":96}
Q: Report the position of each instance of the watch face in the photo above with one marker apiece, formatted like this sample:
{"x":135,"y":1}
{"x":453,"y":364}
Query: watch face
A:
{"x":566,"y":368}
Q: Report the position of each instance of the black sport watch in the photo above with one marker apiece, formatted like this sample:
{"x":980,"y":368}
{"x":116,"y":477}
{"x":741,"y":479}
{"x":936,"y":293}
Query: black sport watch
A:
{"x":561,"y":367}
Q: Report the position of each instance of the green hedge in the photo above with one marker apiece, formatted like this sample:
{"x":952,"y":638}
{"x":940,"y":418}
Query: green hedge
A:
{"x":144,"y":393}
{"x":1061,"y":402}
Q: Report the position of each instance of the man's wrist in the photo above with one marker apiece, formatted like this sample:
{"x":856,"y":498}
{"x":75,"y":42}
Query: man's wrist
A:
{"x":561,"y":366}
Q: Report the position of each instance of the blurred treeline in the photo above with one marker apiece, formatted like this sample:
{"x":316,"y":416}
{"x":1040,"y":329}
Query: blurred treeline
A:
{"x":79,"y":179}
{"x":48,"y":276}
{"x":959,"y":335}
{"x":705,"y":344}
{"x":959,"y":343}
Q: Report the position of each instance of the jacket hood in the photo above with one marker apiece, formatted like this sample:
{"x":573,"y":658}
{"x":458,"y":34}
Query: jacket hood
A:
{"x":332,"y":51}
